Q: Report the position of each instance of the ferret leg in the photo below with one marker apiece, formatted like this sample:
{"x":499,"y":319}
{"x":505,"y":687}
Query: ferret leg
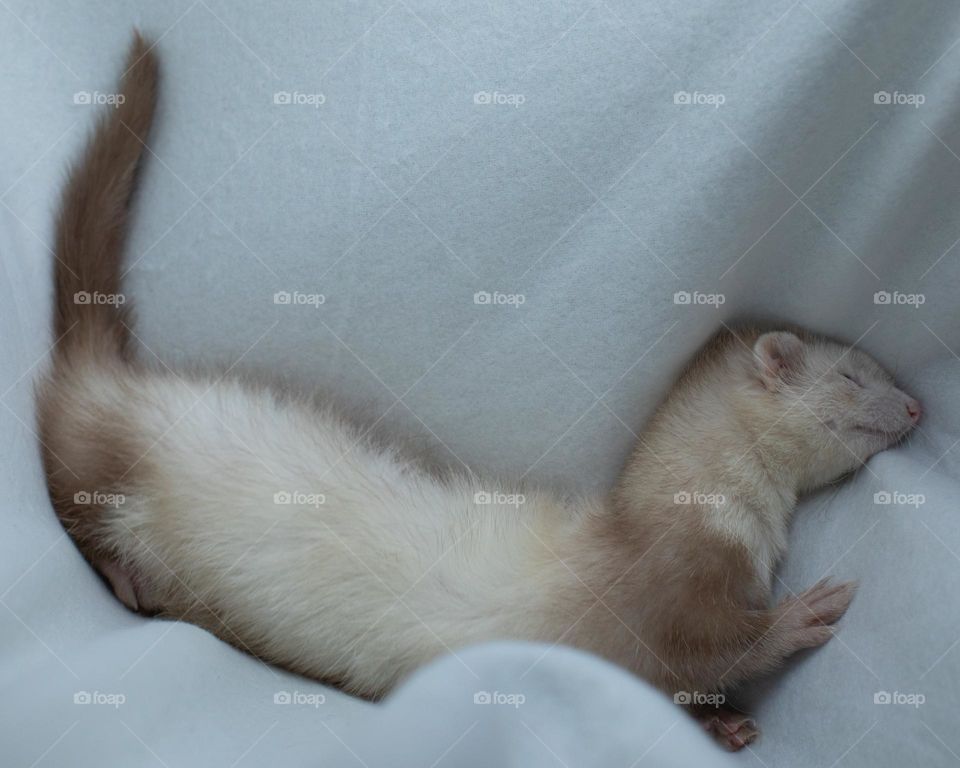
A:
{"x":731,"y":729}
{"x":131,"y":589}
{"x":798,"y":622}
{"x":121,"y":581}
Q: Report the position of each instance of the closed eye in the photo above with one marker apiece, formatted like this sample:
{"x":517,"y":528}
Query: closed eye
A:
{"x":851,"y":379}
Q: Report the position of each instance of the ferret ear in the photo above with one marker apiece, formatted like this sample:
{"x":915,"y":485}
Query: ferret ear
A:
{"x":777,"y":355}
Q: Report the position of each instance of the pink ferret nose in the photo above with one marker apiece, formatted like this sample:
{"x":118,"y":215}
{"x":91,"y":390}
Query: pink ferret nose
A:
{"x":914,"y":410}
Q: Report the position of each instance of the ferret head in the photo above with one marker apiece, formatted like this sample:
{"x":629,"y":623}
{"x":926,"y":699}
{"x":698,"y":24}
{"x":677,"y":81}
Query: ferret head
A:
{"x":833,"y":402}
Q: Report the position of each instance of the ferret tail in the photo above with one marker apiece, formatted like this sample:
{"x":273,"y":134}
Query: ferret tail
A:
{"x":90,"y":312}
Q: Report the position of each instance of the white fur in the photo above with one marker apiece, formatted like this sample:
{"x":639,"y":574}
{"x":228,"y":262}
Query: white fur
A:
{"x":384,"y":565}
{"x":392,"y":568}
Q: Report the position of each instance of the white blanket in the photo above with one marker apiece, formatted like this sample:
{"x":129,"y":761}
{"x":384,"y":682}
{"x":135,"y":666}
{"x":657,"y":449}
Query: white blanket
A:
{"x":505,"y":207}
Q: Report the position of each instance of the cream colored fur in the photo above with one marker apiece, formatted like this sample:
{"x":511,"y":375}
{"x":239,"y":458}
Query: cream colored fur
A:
{"x":281,"y":528}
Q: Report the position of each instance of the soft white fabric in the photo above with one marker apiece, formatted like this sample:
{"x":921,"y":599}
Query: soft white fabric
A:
{"x":500,"y":197}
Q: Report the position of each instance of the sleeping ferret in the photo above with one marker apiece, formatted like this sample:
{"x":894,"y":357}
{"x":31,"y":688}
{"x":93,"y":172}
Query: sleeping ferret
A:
{"x":282,"y":529}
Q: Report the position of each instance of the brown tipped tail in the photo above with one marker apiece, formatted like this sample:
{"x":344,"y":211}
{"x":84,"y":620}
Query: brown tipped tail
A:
{"x":90,"y":310}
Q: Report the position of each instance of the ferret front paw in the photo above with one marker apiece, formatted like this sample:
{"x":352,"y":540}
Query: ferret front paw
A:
{"x":732,"y":730}
{"x":807,"y":617}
